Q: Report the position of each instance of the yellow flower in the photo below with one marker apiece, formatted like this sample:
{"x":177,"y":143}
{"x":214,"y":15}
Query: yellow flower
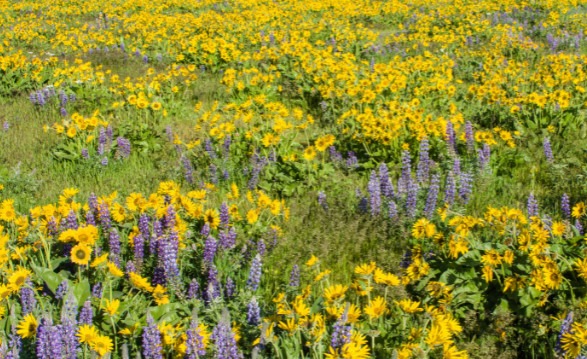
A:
{"x":112,"y":306}
{"x":212,"y":217}
{"x":376,"y":308}
{"x":335,"y":292}
{"x":87,"y":235}
{"x":140,"y":282}
{"x":324,"y":142}
{"x":578,"y":210}
{"x":381,"y":277}
{"x":312,"y":261}
{"x":160,"y":296}
{"x":114,"y":270}
{"x":87,"y":333}
{"x":99,"y":260}
{"x":409,"y":306}
{"x":80,"y":254}
{"x":252,"y":216}
{"x":156,"y":106}
{"x":102,"y":345}
{"x":366,"y":268}
{"x":558,"y":229}
{"x":27,"y":328}
{"x":309,"y":153}
{"x":18,"y":278}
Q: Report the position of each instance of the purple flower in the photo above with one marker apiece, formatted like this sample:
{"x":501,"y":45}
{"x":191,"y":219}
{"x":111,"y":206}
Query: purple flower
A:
{"x":104,"y":161}
{"x":97,"y":290}
{"x":432,"y":197}
{"x":114,"y":245}
{"x":6,"y":126}
{"x":451,"y":137}
{"x":210,"y":247}
{"x":532,"y":206}
{"x":548,"y":150}
{"x":208,"y":147}
{"x":579,"y":226}
{"x":466,"y":187}
{"x":392,"y":210}
{"x":86,"y":315}
{"x":255,"y":273}
{"x":456,"y":166}
{"x":63,"y":112}
{"x":352,"y":162}
{"x":322,"y":200}
{"x":194,"y":289}
{"x":387,"y":189}
{"x":450,"y":189}
{"x":139,"y":249}
{"x":27,"y":298}
{"x":123,"y":146}
{"x":105,"y":219}
{"x":213,"y":290}
{"x":423,"y":170}
{"x":335,"y":156}
{"x":188,"y":169}
{"x":225,"y":342}
{"x":294,"y":277}
{"x":374,"y":189}
{"x":406,"y":177}
{"x":341,"y":333}
{"x":229,"y":288}
{"x":253,"y":312}
{"x":152,"y":347}
{"x":226,"y":145}
{"x":61,"y":290}
{"x":224,"y":215}
{"x":85,"y":153}
{"x":412,"y":198}
{"x":168,"y":249}
{"x":469,"y":136}
{"x":213,"y":174}
{"x":566,"y":206}
{"x":195,"y":347}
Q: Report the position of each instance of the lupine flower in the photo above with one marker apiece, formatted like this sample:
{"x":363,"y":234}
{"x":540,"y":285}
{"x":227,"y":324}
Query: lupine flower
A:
{"x":213,"y":173}
{"x":456,"y":167}
{"x":450,"y":189}
{"x":341,"y":333}
{"x":194,"y":290}
{"x":168,"y":256}
{"x":226,"y":145}
{"x":387,"y":189}
{"x":466,"y":187}
{"x":123,"y":146}
{"x":469,"y":136}
{"x":114,"y":246}
{"x":213,"y":285}
{"x":85,"y":153}
{"x":352,"y":162}
{"x":6,"y":126}
{"x":392,"y":210}
{"x":335,"y":156}
{"x":105,"y":219}
{"x":565,"y":328}
{"x":412,"y":198}
{"x":210,"y":247}
{"x":195,"y":347}
{"x":548,"y":150}
{"x":423,"y":170}
{"x":224,"y":215}
{"x":579,"y":226}
{"x":532,"y":206}
{"x":229,"y":288}
{"x":432,"y":197}
{"x":406,"y":176}
{"x":227,"y":239}
{"x":255,"y":273}
{"x":294,"y":277}
{"x":48,"y":340}
{"x":451,"y":138}
{"x":322,"y":200}
{"x":104,"y":161}
{"x":261,"y":247}
{"x":86,"y":315}
{"x":188,"y":168}
{"x":225,"y":342}
{"x":27,"y":298}
{"x":61,"y":290}
{"x":97,"y":290}
{"x":152,"y":346}
{"x":253,"y":312}
{"x":374,"y":189}
{"x":139,"y":249}
{"x":208,"y":147}
{"x":566,"y":206}
{"x":205,"y":231}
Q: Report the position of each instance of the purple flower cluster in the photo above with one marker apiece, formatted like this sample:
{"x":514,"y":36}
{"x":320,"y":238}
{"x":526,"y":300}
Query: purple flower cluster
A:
{"x":225,"y":342}
{"x":255,"y":273}
{"x":123,"y":147}
{"x":195,"y":347}
{"x":152,"y":347}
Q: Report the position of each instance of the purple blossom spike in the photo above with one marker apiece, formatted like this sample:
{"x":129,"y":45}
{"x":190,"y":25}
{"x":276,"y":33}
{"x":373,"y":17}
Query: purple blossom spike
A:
{"x":114,"y":246}
{"x":406,"y":177}
{"x":322,"y":200}
{"x":139,"y":249}
{"x":194,"y":290}
{"x":253,"y":312}
{"x":341,"y":333}
{"x":152,"y":346}
{"x":213,"y":285}
{"x":374,"y":189}
{"x":450,"y":189}
{"x":195,"y":347}
{"x":451,"y":138}
{"x":423,"y":170}
{"x":566,"y":206}
{"x":229,"y":288}
{"x":432,"y":197}
{"x":210,"y":247}
{"x":352,"y":162}
{"x":565,"y":328}
{"x":387,"y":189}
{"x":392,"y":209}
{"x":579,"y":226}
{"x":469,"y":136}
{"x":294,"y":277}
{"x":86,"y":315}
{"x":61,"y":290}
{"x":27,"y":298}
{"x":412,"y":198}
{"x":123,"y":146}
{"x":97,"y":290}
{"x":224,"y":341}
{"x":224,"y":215}
{"x":548,"y":150}
{"x":532,"y":206}
{"x":188,"y":169}
{"x":255,"y":274}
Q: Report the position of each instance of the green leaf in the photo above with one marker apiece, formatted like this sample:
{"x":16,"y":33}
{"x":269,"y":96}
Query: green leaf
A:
{"x":82,"y":291}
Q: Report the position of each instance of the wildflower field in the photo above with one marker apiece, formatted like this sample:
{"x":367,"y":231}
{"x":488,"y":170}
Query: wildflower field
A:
{"x":293,"y":179}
